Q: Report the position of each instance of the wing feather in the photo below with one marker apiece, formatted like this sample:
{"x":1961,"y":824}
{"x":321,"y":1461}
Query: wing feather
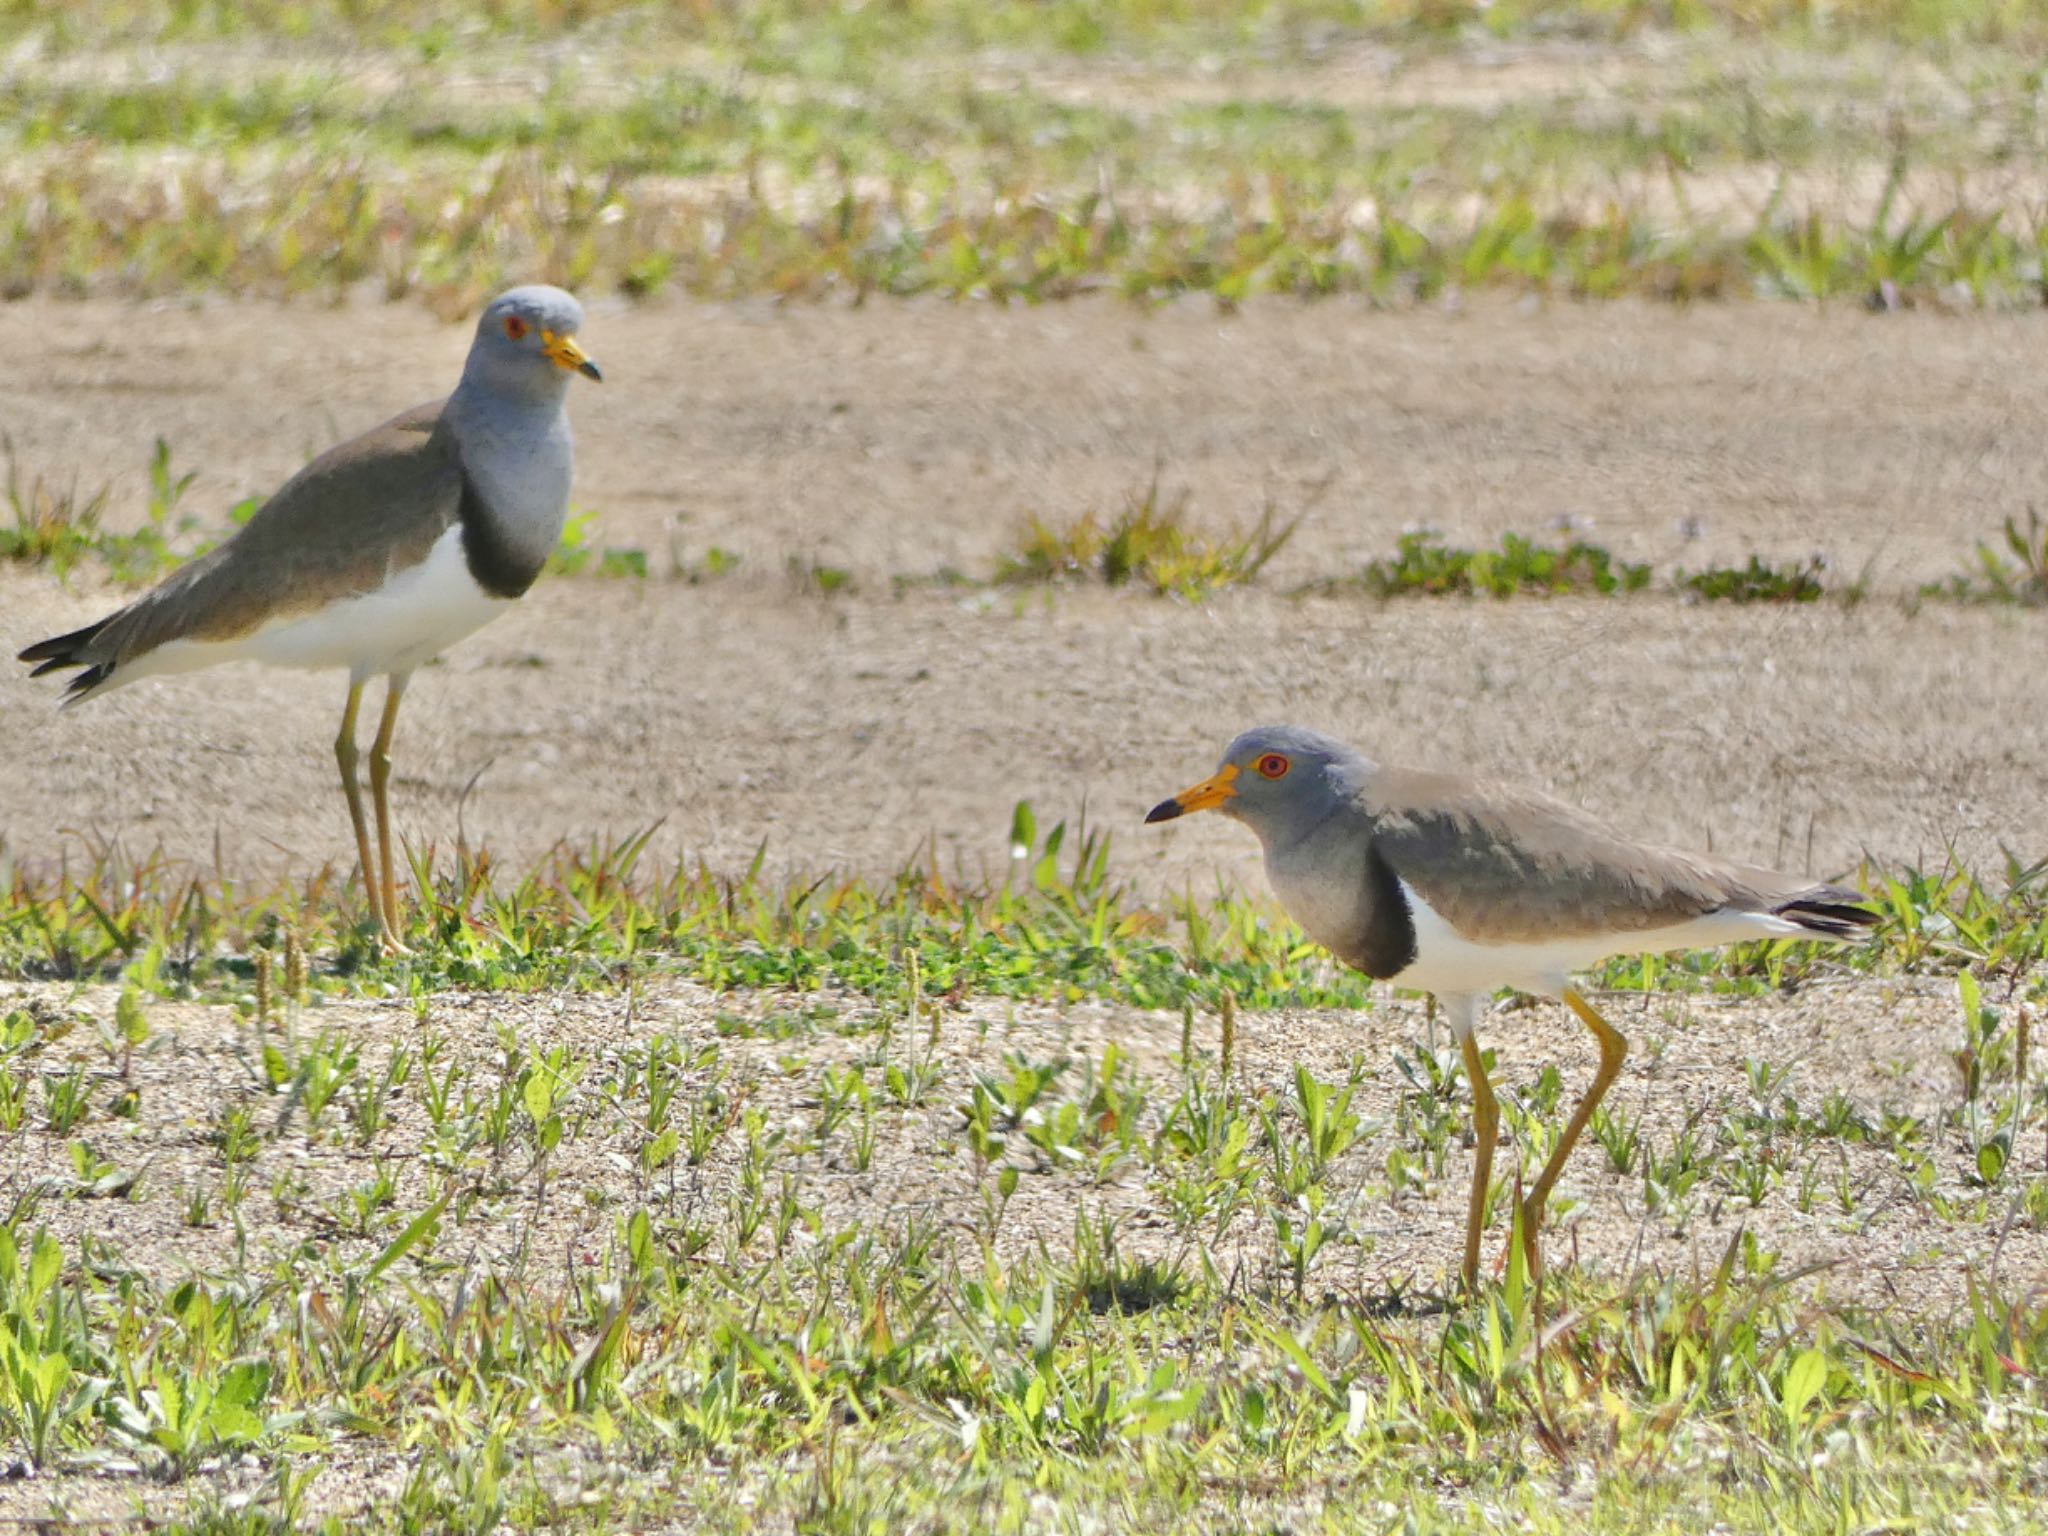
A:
{"x":338,"y":528}
{"x":1510,"y":866}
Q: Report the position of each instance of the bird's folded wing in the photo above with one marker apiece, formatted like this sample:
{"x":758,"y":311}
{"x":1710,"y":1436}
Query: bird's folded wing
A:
{"x":340,"y":527}
{"x":1507,"y":866}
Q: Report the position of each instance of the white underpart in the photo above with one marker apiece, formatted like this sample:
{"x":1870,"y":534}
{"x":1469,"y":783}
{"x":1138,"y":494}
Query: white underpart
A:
{"x":418,"y":613}
{"x":1451,"y":965}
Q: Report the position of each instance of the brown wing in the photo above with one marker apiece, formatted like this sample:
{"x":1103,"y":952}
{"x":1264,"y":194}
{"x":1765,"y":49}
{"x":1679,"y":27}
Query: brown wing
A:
{"x":337,"y":528}
{"x":1509,"y":866}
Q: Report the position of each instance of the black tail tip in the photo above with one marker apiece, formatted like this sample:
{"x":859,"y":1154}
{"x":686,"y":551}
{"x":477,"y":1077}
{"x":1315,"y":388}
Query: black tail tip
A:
{"x":1832,"y":918}
{"x":85,"y":682}
{"x":69,"y":650}
{"x":62,"y":650}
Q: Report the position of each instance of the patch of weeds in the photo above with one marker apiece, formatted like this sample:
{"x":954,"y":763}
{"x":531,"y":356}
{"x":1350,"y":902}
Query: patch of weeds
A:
{"x":1670,"y":1177}
{"x":168,"y":535}
{"x":1948,"y":920}
{"x":2016,"y":574}
{"x":1618,"y":1134}
{"x":810,"y":575}
{"x":1149,"y":543}
{"x":427,"y":29}
{"x":1423,"y":565}
{"x":1022,"y":217}
{"x":67,"y":1100}
{"x":1109,"y":1280}
{"x":59,"y":530}
{"x":577,"y":554}
{"x":52,"y":527}
{"x":714,"y":564}
{"x":1758,"y":581}
{"x":1058,"y":924}
{"x":1996,"y":1045}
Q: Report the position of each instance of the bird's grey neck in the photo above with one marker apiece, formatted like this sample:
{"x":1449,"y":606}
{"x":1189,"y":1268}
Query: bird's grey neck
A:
{"x":1315,"y":809}
{"x":1332,"y":880}
{"x":520,"y":456}
{"x":517,"y":462}
{"x":487,"y":376}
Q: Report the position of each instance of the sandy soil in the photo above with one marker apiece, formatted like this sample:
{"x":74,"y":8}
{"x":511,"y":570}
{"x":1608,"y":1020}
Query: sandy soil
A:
{"x":896,"y":441}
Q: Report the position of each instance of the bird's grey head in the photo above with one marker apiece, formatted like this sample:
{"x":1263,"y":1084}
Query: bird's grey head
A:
{"x":1279,"y":780}
{"x":526,"y":344}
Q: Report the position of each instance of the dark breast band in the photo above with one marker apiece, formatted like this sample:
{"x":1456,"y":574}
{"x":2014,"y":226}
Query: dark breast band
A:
{"x":500,"y":566}
{"x":1387,"y":946}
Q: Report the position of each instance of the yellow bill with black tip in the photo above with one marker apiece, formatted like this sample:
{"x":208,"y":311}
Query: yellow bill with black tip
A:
{"x":562,"y":351}
{"x":1205,"y":796}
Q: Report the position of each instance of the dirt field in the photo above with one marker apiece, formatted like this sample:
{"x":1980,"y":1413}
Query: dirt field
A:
{"x":897,"y":441}
{"x":1881,"y":1045}
{"x":1868,"y":1241}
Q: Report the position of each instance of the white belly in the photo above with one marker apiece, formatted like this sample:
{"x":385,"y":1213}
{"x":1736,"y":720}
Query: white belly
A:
{"x":1451,"y":965}
{"x":417,"y":614}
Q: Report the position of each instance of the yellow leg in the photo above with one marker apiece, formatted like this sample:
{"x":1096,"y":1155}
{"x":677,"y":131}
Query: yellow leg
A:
{"x":1613,"y":1047}
{"x":1486,"y":1126}
{"x":345,"y":757}
{"x":380,"y":792}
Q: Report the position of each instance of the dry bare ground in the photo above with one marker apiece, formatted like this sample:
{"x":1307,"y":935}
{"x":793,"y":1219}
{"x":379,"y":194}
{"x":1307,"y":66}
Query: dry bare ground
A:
{"x":899,"y":441}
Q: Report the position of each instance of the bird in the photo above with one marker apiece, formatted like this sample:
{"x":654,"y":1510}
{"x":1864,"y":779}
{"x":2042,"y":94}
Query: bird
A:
{"x":377,"y":555}
{"x":1461,"y":888}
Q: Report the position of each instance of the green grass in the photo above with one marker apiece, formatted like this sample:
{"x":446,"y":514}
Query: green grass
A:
{"x":53,"y":526}
{"x":804,"y":28}
{"x":1424,"y":566}
{"x":64,"y":531}
{"x":1758,"y":581}
{"x":578,"y":555}
{"x":87,"y":223}
{"x":862,"y":1381}
{"x":953,"y":149}
{"x":1059,"y":926}
{"x":731,"y":1333}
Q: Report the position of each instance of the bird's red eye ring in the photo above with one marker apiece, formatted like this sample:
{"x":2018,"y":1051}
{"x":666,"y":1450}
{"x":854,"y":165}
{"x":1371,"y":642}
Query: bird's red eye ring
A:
{"x":1272,"y":766}
{"x":515,"y":327}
